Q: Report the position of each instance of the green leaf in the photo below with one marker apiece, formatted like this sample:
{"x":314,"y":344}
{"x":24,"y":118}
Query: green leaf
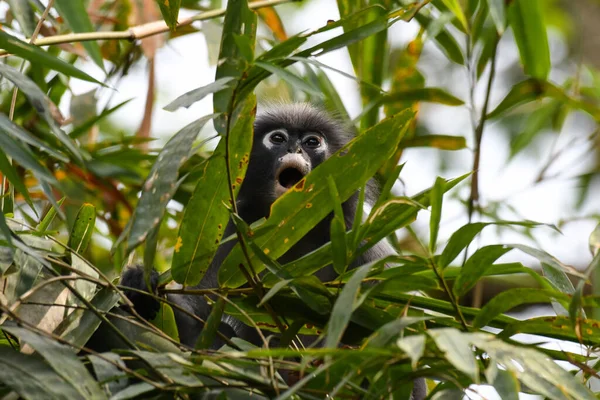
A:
{"x":193,"y":96}
{"x":459,"y":241}
{"x":86,"y":126}
{"x":556,"y":327}
{"x":161,"y":184}
{"x":456,"y":350}
{"x":209,"y":331}
{"x":444,"y":40}
{"x":206,"y":216}
{"x":112,"y":378}
{"x":33,"y":379}
{"x":456,"y":9}
{"x":337,"y":230}
{"x":24,"y":156}
{"x":48,"y":218}
{"x":293,"y":214}
{"x":512,"y":298}
{"x":477,"y":266}
{"x":437,"y":192}
{"x":42,"y":104}
{"x":498,"y":14}
{"x":533,"y":368}
{"x":344,"y":306}
{"x":78,"y":19}
{"x":24,"y":13}
{"x":432,"y":95}
{"x":165,"y":321}
{"x":9,"y":171}
{"x":10,"y":128}
{"x":170,"y":11}
{"x":290,"y":78}
{"x":63,"y":360}
{"x":83,"y":228}
{"x":34,"y":54}
{"x":527,"y":21}
{"x":414,"y":346}
{"x":79,"y":326}
{"x":384,"y":335}
{"x":505,"y":383}
{"x":368,"y":56}
{"x":442,"y":142}
{"x":239,"y":21}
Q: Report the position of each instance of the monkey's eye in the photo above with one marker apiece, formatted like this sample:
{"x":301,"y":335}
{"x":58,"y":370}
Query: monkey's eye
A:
{"x":277,"y":138}
{"x":312,"y":142}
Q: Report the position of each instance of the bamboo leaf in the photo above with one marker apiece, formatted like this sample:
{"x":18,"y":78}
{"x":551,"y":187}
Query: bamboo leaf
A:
{"x":239,"y":21}
{"x":193,"y":96}
{"x":161,"y":184}
{"x":512,"y":298}
{"x":527,"y":22}
{"x":344,"y":306}
{"x":63,"y":360}
{"x":206,"y":216}
{"x":42,"y":104}
{"x":456,"y":350}
{"x":33,"y":379}
{"x":34,"y":54}
{"x":170,"y":11}
{"x":78,"y":19}
{"x":83,"y":228}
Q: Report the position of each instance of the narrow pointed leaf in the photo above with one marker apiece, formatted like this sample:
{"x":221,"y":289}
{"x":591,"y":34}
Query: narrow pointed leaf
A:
{"x":36,"y":55}
{"x":456,"y":349}
{"x":78,"y":19}
{"x":32,"y":378}
{"x":193,"y":96}
{"x":42,"y":104}
{"x":344,"y":306}
{"x":239,"y":21}
{"x":63,"y":360}
{"x":206,"y":216}
{"x":526,"y":19}
{"x":83,"y":228}
{"x":170,"y":11}
{"x":160,"y":185}
{"x":511,"y":298}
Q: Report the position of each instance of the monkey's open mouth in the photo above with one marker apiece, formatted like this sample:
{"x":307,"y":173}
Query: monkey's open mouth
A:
{"x":292,"y":169}
{"x":289,"y":177}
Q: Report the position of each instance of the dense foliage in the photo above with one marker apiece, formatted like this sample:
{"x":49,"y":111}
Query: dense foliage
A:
{"x":82,"y":199}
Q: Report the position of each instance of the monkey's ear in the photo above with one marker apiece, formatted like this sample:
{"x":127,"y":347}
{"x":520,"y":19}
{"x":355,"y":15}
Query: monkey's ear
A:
{"x":146,"y":306}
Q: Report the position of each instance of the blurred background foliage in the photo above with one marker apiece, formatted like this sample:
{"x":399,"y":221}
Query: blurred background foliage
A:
{"x":505,"y":91}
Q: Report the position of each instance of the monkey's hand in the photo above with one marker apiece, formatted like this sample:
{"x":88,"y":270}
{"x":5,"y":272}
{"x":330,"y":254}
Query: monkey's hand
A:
{"x":146,"y":306}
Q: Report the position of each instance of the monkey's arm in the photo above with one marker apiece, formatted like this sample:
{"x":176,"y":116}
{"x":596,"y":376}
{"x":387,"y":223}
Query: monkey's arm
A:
{"x":145,"y":305}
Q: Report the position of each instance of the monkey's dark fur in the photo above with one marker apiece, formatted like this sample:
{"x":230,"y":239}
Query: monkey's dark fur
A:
{"x":284,"y":150}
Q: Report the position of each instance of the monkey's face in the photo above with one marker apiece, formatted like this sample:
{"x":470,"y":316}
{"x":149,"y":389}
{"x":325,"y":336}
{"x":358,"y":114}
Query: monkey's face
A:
{"x":292,"y":154}
{"x":290,"y":140}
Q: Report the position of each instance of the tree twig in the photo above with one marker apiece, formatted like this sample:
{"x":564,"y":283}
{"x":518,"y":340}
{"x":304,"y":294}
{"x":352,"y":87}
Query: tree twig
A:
{"x":144,"y":30}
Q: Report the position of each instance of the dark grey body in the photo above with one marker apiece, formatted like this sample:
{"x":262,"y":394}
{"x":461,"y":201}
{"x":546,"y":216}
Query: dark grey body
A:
{"x":297,"y":135}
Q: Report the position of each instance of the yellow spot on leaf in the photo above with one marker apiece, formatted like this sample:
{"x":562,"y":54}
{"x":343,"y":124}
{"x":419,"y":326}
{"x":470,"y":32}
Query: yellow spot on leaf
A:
{"x":267,"y":251}
{"x":308,"y":205}
{"x":60,"y":175}
{"x":178,"y":244}
{"x":286,"y":240}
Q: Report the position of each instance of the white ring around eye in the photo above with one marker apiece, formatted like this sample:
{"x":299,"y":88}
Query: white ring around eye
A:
{"x":266,"y":141}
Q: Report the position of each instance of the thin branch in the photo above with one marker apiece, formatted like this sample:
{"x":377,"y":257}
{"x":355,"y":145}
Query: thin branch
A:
{"x":474,"y":197}
{"x":145,"y":30}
